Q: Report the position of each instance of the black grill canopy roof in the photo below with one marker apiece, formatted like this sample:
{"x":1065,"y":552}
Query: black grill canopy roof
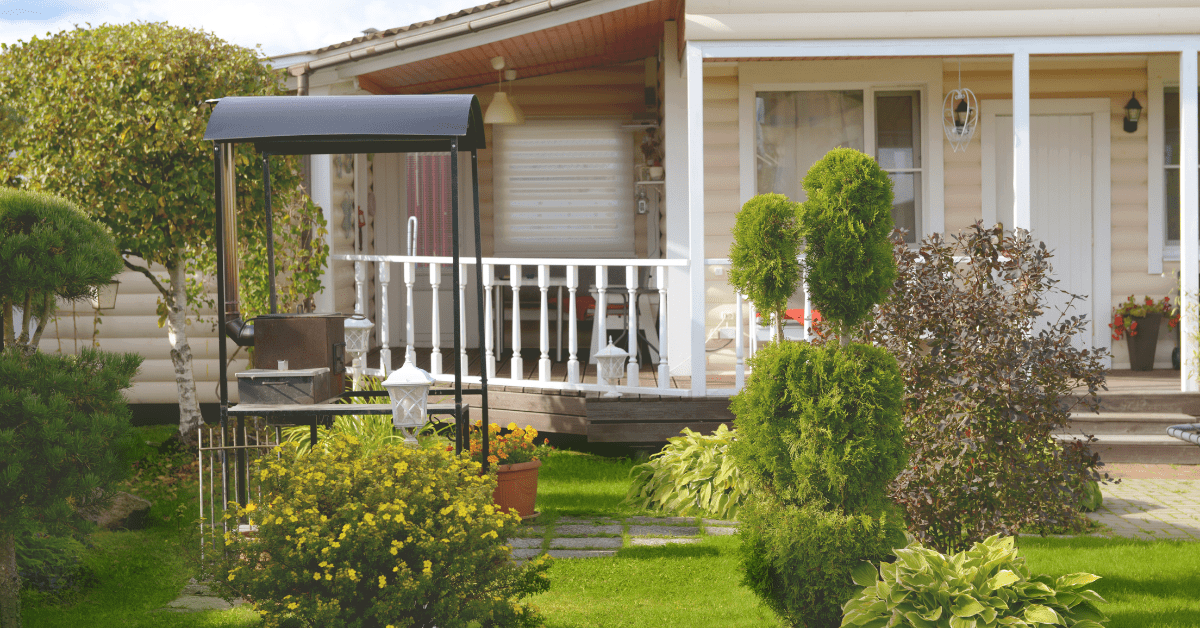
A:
{"x":319,"y":125}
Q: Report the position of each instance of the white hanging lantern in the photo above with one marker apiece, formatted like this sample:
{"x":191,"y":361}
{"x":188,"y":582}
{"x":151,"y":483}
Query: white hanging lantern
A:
{"x":408,"y":389}
{"x":960,"y":115}
{"x":610,"y":362}
{"x":106,"y":296}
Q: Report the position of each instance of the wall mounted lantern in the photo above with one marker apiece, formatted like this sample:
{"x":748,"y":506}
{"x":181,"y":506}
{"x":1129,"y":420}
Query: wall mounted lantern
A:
{"x":408,"y":389}
{"x":1133,"y":113}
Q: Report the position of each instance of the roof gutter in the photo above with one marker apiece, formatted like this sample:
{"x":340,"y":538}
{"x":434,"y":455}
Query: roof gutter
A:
{"x":302,"y":70}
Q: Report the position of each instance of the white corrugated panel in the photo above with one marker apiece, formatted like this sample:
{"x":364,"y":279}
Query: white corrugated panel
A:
{"x":564,"y":189}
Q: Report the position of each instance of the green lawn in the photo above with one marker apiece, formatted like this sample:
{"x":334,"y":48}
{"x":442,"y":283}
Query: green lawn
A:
{"x":1148,"y":584}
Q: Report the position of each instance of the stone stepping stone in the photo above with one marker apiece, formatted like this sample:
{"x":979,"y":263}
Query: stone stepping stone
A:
{"x":530,"y":531}
{"x":593,"y":521}
{"x":587,"y":530}
{"x":656,"y":542}
{"x":196,"y":598}
{"x":525,"y":554}
{"x":664,"y":531}
{"x":581,"y":553}
{"x":586,"y":542}
{"x":525,"y":543}
{"x":719,"y":522}
{"x":720,"y":531}
{"x":664,"y":521}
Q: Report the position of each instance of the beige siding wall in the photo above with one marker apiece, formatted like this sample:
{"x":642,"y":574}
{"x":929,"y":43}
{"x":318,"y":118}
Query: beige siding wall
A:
{"x":722,"y":183}
{"x":133,"y":327}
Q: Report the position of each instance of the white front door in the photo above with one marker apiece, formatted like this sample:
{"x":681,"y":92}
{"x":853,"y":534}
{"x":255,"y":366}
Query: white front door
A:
{"x":1064,"y":203}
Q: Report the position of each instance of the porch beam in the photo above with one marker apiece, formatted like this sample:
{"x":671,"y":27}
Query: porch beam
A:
{"x":1020,"y":139}
{"x":1189,"y":222}
{"x":946,"y":47}
{"x":694,"y":69}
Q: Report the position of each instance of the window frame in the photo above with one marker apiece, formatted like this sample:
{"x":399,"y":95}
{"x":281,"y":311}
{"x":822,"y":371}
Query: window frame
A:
{"x":931,"y":213}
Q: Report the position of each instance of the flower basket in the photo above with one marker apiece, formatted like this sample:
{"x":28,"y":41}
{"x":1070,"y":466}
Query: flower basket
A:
{"x":516,"y":487}
{"x":1142,"y":346}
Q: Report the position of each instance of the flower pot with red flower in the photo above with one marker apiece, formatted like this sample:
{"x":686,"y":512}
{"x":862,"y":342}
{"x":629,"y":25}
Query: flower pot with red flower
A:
{"x":514,"y":457}
{"x":1139,"y":323}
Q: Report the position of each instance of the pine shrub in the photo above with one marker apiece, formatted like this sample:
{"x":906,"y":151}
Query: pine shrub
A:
{"x":845,"y":224}
{"x":766,"y":242}
{"x":398,"y":537}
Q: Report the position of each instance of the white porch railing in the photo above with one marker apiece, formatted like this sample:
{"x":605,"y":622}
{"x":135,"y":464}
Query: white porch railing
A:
{"x":745,"y":330}
{"x":630,"y":289}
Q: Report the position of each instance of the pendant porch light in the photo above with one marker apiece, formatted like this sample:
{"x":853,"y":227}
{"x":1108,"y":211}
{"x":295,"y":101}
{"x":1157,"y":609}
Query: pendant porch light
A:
{"x":502,"y":110}
{"x":960,"y":115}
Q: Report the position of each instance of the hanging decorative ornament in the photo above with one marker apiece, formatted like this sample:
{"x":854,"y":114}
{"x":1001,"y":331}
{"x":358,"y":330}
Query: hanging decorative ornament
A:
{"x":960,"y":115}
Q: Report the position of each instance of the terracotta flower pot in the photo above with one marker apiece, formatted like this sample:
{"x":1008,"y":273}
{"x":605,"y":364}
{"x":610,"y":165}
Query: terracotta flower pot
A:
{"x":516,"y":487}
{"x":1142,"y":346}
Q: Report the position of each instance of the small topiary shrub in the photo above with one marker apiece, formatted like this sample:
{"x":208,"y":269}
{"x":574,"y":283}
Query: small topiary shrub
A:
{"x":798,"y":559}
{"x":845,"y":224}
{"x":985,"y":586}
{"x":399,"y":537}
{"x":763,"y":263}
{"x":51,"y":565}
{"x":692,"y":475}
{"x":823,"y":424}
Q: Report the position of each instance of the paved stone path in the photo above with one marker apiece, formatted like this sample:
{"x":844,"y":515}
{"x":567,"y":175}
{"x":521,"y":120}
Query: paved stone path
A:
{"x":1151,"y":508}
{"x":575,"y":537}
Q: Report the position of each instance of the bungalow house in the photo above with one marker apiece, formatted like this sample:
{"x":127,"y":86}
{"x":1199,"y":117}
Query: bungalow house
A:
{"x":643,"y":125}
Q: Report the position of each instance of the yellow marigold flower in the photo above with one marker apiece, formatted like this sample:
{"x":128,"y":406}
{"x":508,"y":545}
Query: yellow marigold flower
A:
{"x":328,"y":576}
{"x":231,"y":576}
{"x":493,"y":459}
{"x":393,"y":551}
{"x":428,"y":567}
{"x":382,"y":581}
{"x":317,"y":576}
{"x":278,"y":520}
{"x":513,"y":426}
{"x":250,"y":507}
{"x":293,"y":606}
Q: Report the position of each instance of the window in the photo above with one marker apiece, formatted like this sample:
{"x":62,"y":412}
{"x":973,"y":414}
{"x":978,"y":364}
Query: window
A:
{"x":797,"y":128}
{"x":428,"y":189}
{"x":1171,"y":166}
{"x":564,"y":189}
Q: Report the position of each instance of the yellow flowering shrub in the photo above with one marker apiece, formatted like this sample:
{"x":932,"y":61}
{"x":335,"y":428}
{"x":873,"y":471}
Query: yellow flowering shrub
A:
{"x":398,"y":537}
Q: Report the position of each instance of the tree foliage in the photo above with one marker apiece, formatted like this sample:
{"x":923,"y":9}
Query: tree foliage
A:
{"x":845,"y":224}
{"x":48,"y":249}
{"x":989,"y":382}
{"x":762,"y":259}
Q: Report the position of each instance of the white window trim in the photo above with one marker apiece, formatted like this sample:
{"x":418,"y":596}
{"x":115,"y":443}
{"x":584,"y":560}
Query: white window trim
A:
{"x":926,"y":78}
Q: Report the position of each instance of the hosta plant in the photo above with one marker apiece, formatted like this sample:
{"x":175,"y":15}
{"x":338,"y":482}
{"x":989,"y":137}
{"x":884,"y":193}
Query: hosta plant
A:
{"x":987,"y":585}
{"x":692,"y":475}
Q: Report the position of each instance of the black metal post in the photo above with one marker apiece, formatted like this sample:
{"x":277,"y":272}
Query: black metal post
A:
{"x":457,"y":298}
{"x":266,"y":158}
{"x":222,"y":368}
{"x":483,"y":374}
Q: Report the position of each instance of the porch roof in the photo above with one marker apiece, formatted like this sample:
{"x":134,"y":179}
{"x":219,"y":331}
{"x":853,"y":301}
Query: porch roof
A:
{"x":286,"y":125}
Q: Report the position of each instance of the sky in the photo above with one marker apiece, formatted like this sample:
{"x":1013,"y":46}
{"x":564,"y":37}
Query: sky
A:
{"x":279,"y":26}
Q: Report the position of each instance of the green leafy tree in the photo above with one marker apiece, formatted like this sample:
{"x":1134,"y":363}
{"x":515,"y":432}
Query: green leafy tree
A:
{"x":113,"y":118}
{"x":762,"y":259}
{"x":63,"y":420}
{"x":846,"y":224}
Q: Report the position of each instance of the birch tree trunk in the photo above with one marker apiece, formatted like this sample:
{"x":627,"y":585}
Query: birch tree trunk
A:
{"x":181,"y":351}
{"x":10,"y":582}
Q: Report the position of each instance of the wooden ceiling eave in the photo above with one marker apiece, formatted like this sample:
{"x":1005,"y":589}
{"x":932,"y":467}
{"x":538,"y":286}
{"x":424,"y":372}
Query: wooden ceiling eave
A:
{"x":611,"y":38}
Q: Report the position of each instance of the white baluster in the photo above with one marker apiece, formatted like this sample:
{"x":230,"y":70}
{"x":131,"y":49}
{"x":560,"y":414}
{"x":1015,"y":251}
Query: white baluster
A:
{"x":360,"y":279}
{"x":739,"y":368}
{"x":514,"y":280}
{"x":572,"y":326}
{"x":807,"y":312}
{"x":385,"y":350}
{"x":631,"y":367}
{"x":664,"y":369}
{"x":599,"y":331}
{"x":435,"y":354}
{"x":544,"y":326}
{"x":489,"y":359}
{"x":410,"y":334}
{"x":462,"y":318}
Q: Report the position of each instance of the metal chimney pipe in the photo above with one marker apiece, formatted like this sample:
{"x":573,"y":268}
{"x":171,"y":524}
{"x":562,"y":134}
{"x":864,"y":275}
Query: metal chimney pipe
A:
{"x":238,"y":330}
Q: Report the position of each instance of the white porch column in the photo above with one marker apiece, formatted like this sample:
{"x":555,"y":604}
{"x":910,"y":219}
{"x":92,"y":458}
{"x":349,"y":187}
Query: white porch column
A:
{"x":322,"y":197}
{"x":675,"y":203}
{"x":1020,"y":140}
{"x":695,"y":195}
{"x":1189,"y":222}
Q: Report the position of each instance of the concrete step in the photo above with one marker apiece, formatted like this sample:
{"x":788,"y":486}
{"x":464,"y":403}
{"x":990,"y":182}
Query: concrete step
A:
{"x":1150,"y":401}
{"x":1143,"y":448}
{"x":1149,"y":423}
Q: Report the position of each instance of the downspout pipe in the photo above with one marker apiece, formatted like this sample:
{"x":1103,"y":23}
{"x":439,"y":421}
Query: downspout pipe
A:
{"x":238,"y":330}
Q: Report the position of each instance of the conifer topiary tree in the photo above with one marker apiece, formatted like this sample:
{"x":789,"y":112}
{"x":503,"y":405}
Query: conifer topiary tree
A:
{"x":63,"y":420}
{"x":820,"y":434}
{"x":762,"y":259}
